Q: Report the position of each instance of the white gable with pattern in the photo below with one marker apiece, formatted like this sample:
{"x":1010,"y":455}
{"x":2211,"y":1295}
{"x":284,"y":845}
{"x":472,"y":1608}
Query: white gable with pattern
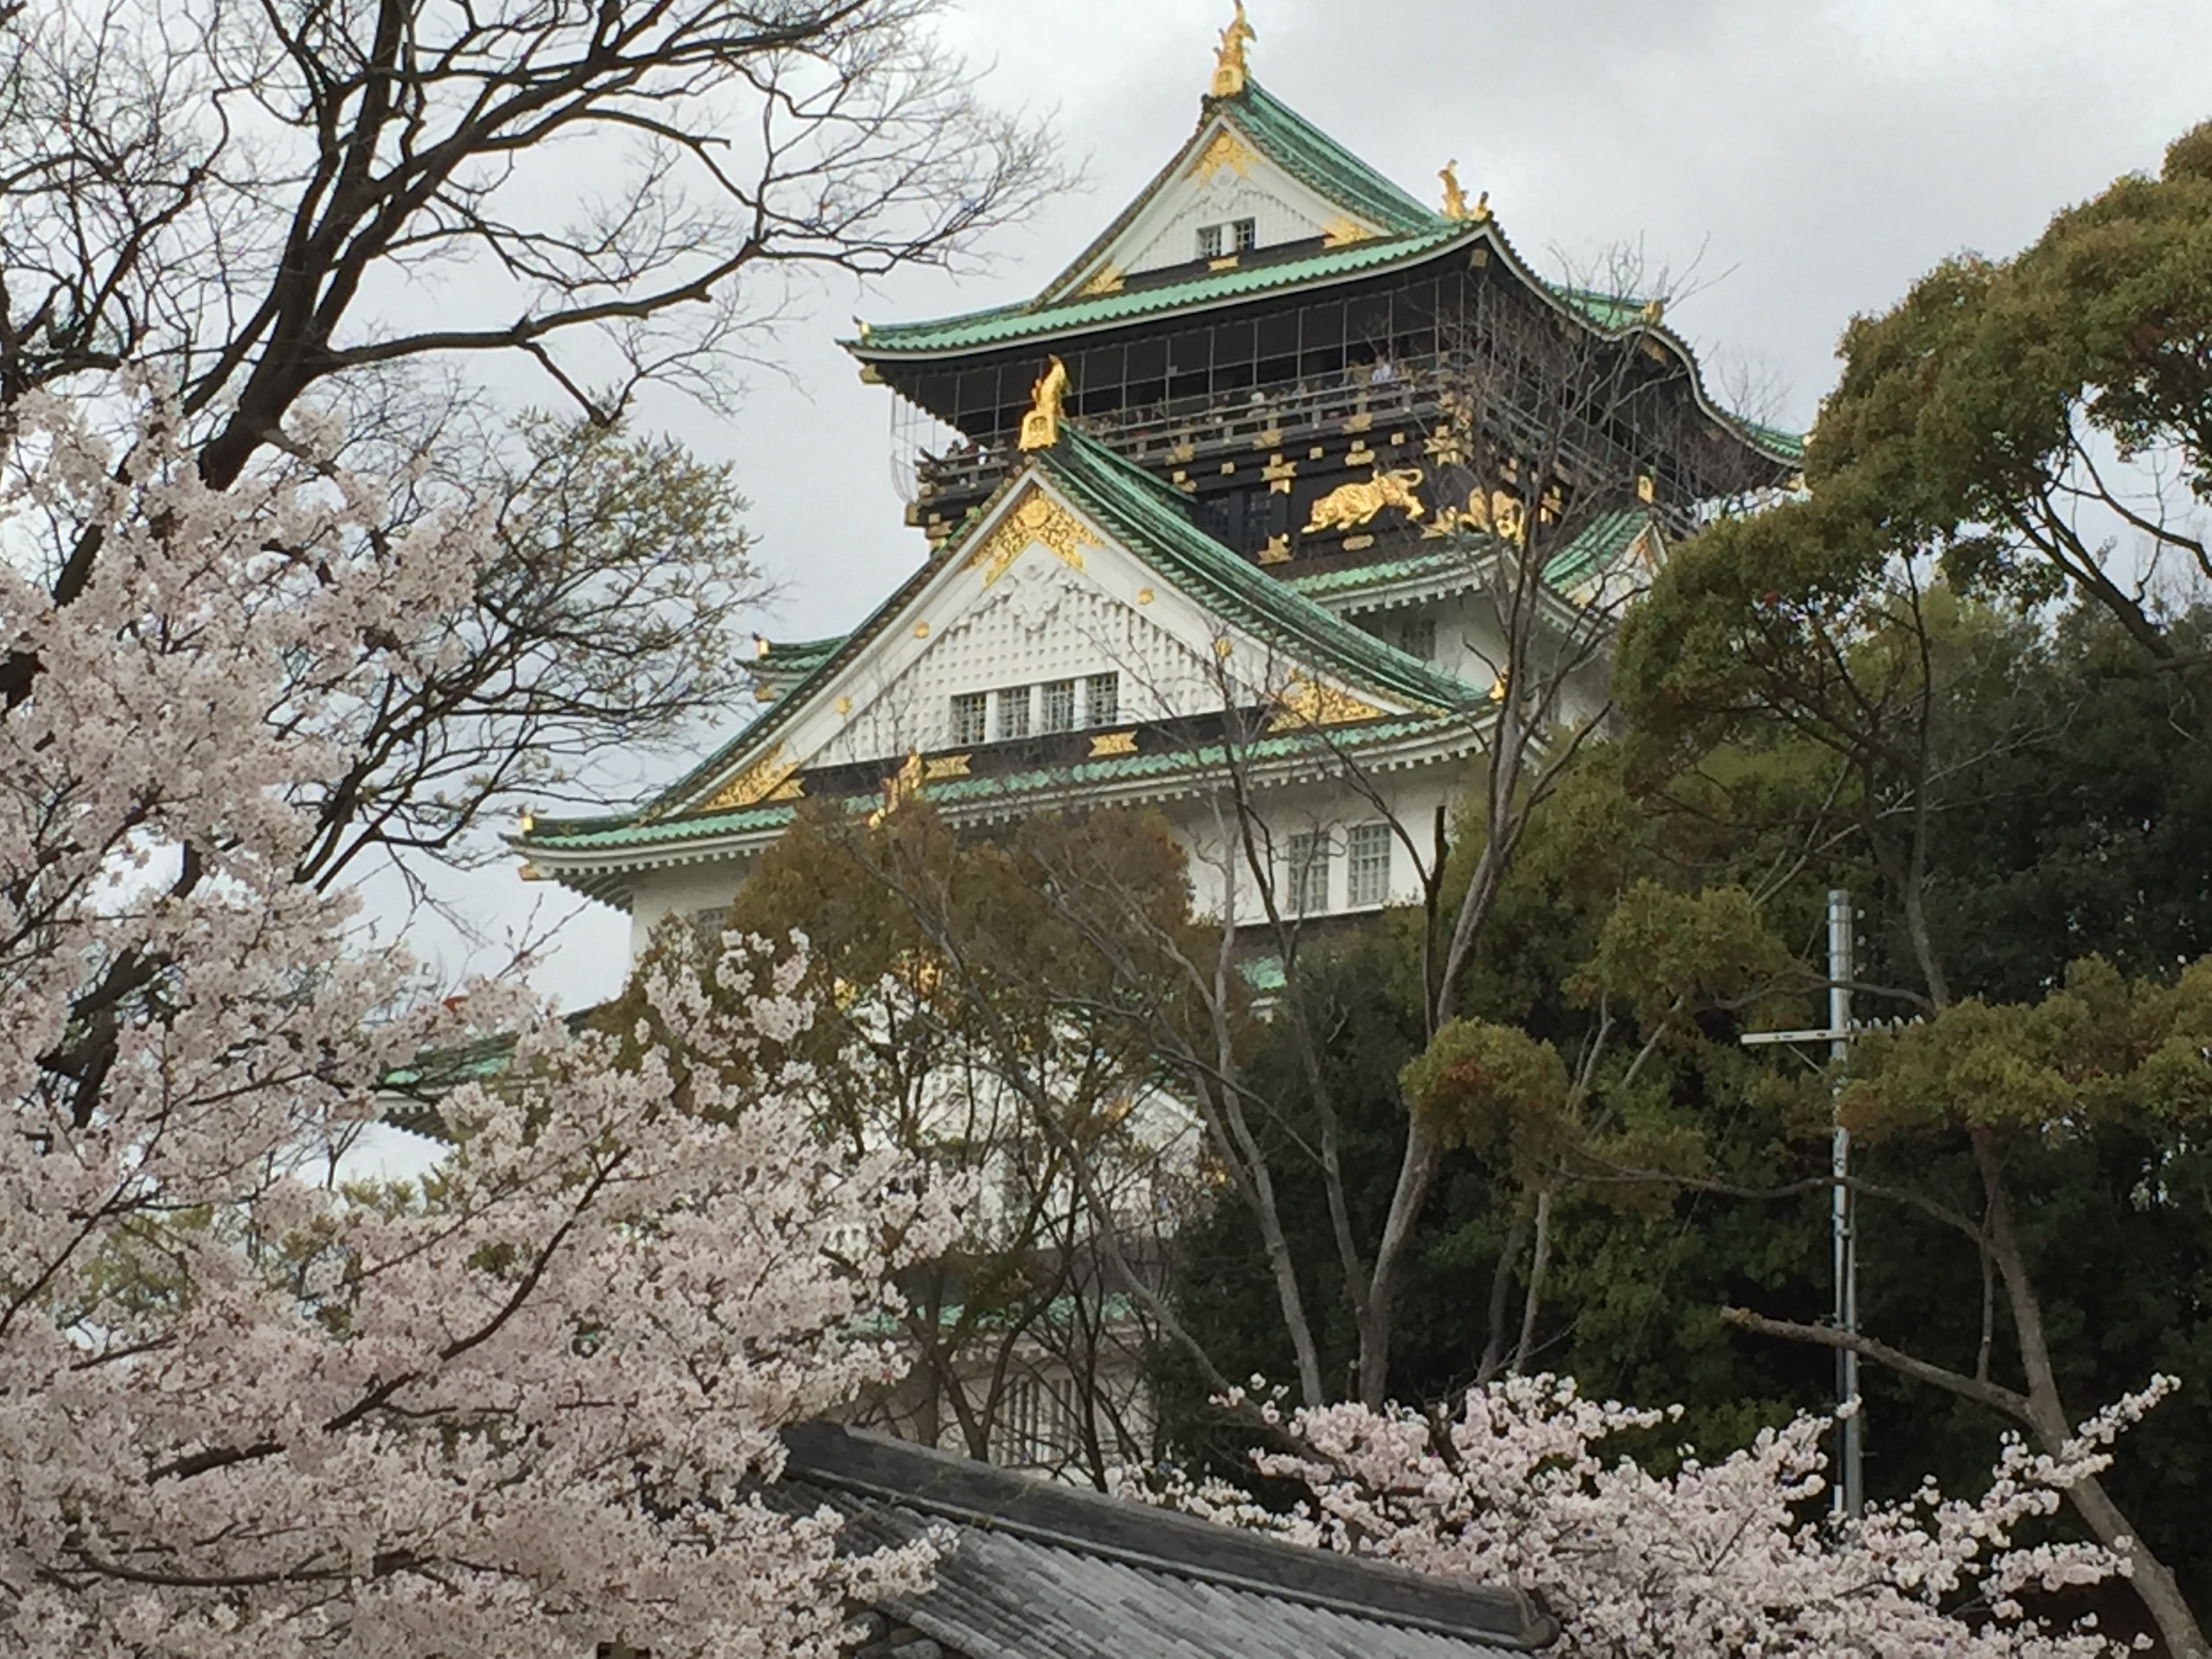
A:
{"x":1039,"y":595}
{"x":1222,"y":178}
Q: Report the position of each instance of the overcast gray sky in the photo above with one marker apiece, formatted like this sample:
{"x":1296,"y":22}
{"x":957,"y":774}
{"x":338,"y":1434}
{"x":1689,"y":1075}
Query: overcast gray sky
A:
{"x":1808,"y":158}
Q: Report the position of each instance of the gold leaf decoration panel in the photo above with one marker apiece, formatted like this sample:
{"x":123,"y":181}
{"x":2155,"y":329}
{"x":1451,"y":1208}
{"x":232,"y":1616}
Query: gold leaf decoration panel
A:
{"x":1306,"y":703}
{"x":1035,"y":519}
{"x":770,"y":777}
{"x":1225,"y":151}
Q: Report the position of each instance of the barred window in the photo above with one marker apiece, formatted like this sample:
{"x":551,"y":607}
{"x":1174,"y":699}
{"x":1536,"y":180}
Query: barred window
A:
{"x":1418,"y":638}
{"x":1036,"y":1425}
{"x":1308,"y":874}
{"x":1209,"y":241}
{"x":1103,"y":704}
{"x":1368,"y":865}
{"x":1014,"y":712}
{"x":1245,"y":235}
{"x":1058,"y":713}
{"x":970,"y":717}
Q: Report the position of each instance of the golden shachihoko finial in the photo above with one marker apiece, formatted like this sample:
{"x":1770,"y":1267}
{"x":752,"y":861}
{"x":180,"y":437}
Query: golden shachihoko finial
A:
{"x":1041,"y":426}
{"x":1228,"y":65}
{"x":1455,"y":205}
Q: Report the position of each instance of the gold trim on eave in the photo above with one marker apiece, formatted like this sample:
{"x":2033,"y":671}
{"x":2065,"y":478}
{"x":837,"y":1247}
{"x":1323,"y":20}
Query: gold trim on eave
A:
{"x":770,"y":778}
{"x":1309,"y":703}
{"x":1036,"y":518}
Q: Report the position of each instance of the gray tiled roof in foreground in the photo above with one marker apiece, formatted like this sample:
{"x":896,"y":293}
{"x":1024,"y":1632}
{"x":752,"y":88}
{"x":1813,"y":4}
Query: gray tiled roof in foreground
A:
{"x":1040,"y":1570}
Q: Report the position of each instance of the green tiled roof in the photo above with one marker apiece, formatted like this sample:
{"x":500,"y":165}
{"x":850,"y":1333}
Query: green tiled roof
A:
{"x":1776,"y":441}
{"x":796,"y":656}
{"x":1429,"y":561}
{"x":1314,"y":158}
{"x":1594,"y":546}
{"x":1155,"y":519}
{"x":610,"y":833}
{"x":1599,"y":542}
{"x":1016,"y":322}
{"x":1411,"y":233}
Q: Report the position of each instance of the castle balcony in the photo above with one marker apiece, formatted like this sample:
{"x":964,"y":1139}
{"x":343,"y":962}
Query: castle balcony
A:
{"x":1189,"y":438}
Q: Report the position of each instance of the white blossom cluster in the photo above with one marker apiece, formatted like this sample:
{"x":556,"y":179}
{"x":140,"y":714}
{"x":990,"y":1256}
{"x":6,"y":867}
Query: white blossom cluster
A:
{"x":1733,"y":1557}
{"x":241,"y":1414}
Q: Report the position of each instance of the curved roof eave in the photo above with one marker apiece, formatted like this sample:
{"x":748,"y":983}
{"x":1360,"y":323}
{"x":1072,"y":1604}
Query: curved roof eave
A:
{"x":1036,"y":324}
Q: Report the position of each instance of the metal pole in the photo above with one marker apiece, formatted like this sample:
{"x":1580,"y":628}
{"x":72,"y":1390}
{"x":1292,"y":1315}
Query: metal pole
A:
{"x":1849,"y":1491}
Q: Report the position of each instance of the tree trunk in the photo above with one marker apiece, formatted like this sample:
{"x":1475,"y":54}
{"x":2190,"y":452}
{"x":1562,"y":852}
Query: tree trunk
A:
{"x":1501,"y":1292}
{"x":2154,"y":1581}
{"x":1415,"y":1171}
{"x":1536,"y":1266}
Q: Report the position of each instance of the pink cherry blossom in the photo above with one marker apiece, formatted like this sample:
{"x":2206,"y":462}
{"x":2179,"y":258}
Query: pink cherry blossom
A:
{"x":241,"y":1414}
{"x":1734,"y":1557}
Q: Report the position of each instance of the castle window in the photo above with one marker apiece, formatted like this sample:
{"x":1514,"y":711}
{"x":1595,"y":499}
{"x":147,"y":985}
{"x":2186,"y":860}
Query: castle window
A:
{"x":1308,"y":870}
{"x":970,"y":717}
{"x":1209,"y":241}
{"x":1418,"y":638}
{"x":1102,"y":705}
{"x":1244,"y":234}
{"x":1014,"y":712}
{"x":1368,"y":865}
{"x":1058,"y":710}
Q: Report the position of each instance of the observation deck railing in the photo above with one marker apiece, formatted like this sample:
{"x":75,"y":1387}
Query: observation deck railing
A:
{"x":1192,"y":430}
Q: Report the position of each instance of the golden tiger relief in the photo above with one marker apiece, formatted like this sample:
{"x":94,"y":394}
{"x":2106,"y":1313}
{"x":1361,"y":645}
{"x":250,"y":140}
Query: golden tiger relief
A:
{"x":1349,"y":506}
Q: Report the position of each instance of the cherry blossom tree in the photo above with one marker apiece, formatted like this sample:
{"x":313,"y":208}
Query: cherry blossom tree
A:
{"x":1727,"y":1558}
{"x":530,"y":1408}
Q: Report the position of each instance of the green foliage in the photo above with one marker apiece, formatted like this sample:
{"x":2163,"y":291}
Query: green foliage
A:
{"x":1966,"y":414}
{"x":1490,"y":1087}
{"x":2103,"y":1049}
{"x":1663,"y":951}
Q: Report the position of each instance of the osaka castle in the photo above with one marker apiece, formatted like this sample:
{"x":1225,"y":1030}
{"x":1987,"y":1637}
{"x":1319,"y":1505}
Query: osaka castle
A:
{"x":1270,"y":513}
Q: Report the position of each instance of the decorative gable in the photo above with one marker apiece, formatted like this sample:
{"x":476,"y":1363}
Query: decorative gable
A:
{"x":1222,"y":180}
{"x":1039,"y":609}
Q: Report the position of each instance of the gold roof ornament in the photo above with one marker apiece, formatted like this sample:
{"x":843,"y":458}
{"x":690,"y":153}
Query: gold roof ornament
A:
{"x":1228,"y":67}
{"x":1455,"y":205}
{"x":862,"y":324}
{"x":1654,"y":310}
{"x":1041,"y":426}
{"x":1223,"y":152}
{"x":772,"y":777}
{"x":1481,"y":214}
{"x":902,"y":786}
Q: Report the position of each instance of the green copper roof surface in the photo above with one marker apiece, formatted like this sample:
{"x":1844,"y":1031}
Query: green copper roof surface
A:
{"x":587,"y":835}
{"x":1353,"y":579}
{"x":789,"y":656}
{"x":1155,"y":519}
{"x":1411,"y":232}
{"x":1774,"y":440}
{"x":1017,"y":322}
{"x":1314,"y":158}
{"x":1594,"y":546}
